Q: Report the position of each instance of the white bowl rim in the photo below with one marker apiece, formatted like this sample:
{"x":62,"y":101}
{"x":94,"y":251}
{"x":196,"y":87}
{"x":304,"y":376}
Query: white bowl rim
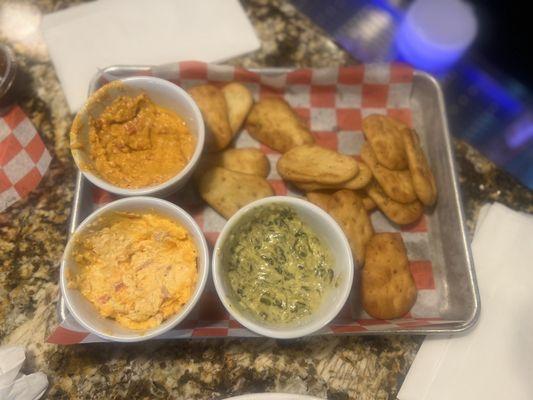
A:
{"x":180,"y":316}
{"x":272,"y":396}
{"x":297,"y":331}
{"x":149,"y":190}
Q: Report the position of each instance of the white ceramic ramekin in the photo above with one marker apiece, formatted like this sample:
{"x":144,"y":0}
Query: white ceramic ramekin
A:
{"x":165,"y":94}
{"x":329,"y":232}
{"x":87,"y":315}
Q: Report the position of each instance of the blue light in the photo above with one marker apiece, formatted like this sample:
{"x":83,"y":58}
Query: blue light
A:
{"x":493,"y":90}
{"x":521,"y":132}
{"x":435,"y":33}
{"x":414,"y":49}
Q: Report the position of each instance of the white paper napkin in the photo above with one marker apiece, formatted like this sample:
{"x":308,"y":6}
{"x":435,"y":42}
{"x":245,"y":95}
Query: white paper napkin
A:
{"x":13,"y":384}
{"x":495,"y":359}
{"x":95,"y":35}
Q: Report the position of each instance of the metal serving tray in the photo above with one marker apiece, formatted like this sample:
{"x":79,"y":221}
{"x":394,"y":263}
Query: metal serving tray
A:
{"x":453,"y":268}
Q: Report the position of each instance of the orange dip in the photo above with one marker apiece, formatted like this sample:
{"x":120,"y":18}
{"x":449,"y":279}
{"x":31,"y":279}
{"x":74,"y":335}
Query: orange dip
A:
{"x":135,"y":143}
{"x":138,"y":269}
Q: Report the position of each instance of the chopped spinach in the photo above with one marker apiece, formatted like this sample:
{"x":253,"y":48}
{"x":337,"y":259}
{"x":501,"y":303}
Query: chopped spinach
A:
{"x":276,"y":265}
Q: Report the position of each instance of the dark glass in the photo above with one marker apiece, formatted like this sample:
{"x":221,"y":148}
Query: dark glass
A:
{"x":8,"y":72}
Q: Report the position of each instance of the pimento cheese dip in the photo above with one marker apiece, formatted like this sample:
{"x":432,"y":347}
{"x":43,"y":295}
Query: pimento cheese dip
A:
{"x":136,"y":268}
{"x":134,"y":143}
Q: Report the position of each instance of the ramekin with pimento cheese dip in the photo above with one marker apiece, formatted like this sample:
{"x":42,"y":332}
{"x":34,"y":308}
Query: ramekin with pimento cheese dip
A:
{"x":134,"y":268}
{"x":135,"y":143}
{"x":138,"y":136}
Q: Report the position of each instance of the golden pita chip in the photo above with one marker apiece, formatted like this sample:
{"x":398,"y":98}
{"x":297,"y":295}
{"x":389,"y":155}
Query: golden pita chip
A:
{"x":212,"y":104}
{"x":397,"y":185}
{"x":423,"y":179}
{"x":228,"y":191}
{"x":320,"y":199}
{"x":247,"y":160}
{"x":388,"y":289}
{"x":312,"y":163}
{"x":273,"y":122}
{"x":399,"y":213}
{"x":239,"y":101}
{"x":367,"y":201}
{"x":360,"y":180}
{"x":348,"y":210}
{"x":384,"y":136}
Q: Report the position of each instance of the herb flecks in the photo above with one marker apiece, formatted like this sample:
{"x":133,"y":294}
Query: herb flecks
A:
{"x":277,"y":266}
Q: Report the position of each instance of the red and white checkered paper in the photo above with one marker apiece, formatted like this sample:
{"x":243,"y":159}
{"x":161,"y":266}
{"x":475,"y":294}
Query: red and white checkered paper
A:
{"x":23,"y":157}
{"x":332,"y":102}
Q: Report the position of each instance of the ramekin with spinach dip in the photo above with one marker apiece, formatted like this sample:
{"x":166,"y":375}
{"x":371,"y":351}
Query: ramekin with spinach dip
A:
{"x":276,"y":266}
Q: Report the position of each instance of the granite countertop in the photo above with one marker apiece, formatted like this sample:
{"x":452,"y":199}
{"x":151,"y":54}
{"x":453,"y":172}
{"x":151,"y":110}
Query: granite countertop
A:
{"x":33,"y":233}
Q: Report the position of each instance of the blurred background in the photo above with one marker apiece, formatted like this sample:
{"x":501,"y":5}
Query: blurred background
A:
{"x":479,"y":49}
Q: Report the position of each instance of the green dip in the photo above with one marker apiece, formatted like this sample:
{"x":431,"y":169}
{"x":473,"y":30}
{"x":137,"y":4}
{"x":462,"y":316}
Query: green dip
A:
{"x":276,"y":265}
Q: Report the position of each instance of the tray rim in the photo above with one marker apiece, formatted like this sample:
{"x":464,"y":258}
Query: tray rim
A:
{"x":441,"y":329}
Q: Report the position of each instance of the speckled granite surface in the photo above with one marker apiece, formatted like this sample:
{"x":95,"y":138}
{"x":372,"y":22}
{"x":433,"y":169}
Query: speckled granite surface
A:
{"x":33,"y":234}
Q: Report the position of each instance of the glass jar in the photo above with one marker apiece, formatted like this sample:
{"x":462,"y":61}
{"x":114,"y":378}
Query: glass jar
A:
{"x":8,"y":72}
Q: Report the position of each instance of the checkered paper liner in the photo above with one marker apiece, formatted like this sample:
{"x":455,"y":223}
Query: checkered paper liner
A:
{"x":23,"y":157}
{"x":332,"y":102}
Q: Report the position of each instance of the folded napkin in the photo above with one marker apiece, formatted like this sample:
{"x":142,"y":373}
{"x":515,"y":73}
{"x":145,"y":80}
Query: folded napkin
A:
{"x":95,"y":35}
{"x":13,"y":384}
{"x":495,"y":359}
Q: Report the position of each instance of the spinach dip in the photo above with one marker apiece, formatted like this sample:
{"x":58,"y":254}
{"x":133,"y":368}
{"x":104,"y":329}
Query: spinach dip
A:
{"x":276,"y":265}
